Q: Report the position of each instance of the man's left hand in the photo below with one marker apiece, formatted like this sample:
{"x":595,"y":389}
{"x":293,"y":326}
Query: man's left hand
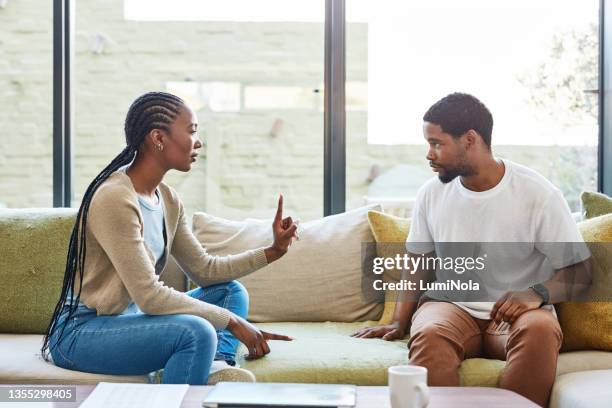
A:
{"x":513,"y":304}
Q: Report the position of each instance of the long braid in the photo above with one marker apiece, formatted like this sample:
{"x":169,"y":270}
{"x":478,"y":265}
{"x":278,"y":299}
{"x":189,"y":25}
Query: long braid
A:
{"x":153,"y":110}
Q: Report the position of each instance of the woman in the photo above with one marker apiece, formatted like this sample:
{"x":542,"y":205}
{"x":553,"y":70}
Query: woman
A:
{"x":114,"y":316}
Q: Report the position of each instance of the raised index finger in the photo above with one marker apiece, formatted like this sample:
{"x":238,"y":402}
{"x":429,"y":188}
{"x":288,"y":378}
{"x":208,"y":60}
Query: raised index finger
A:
{"x":279,"y":210}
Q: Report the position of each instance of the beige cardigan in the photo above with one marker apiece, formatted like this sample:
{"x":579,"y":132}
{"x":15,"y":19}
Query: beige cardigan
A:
{"x":119,"y":266}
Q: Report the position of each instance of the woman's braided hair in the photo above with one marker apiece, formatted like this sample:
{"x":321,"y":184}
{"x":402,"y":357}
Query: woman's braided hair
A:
{"x":153,"y":110}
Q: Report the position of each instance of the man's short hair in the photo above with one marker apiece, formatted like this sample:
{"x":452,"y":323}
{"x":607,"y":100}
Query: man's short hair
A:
{"x":458,"y":113}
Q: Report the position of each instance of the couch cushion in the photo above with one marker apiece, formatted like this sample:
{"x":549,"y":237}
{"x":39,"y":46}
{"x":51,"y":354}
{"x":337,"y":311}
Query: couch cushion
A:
{"x":321,"y":352}
{"x":585,"y":360}
{"x":21,"y":363}
{"x":585,"y":389}
{"x":319,"y":279}
{"x":325,"y":353}
{"x":595,"y":204}
{"x":34,"y":245}
{"x":480,"y":372}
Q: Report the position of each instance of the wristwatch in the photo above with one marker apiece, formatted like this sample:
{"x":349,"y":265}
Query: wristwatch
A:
{"x":542,"y":292}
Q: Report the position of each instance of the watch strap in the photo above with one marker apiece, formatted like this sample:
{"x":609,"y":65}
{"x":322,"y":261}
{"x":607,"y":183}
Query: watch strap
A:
{"x":541,"y":291}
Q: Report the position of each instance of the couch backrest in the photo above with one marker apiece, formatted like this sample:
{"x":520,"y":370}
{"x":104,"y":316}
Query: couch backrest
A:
{"x":33,"y":249}
{"x":33,"y":244}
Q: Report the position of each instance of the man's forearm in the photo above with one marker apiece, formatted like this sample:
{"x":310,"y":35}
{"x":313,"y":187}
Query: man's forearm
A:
{"x":407,"y":301}
{"x":570,"y":283}
{"x":403,"y":313}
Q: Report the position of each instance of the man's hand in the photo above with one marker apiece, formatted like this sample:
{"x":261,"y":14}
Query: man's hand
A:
{"x":254,"y":339}
{"x":284,"y":231}
{"x":513,"y":304}
{"x":385,"y":331}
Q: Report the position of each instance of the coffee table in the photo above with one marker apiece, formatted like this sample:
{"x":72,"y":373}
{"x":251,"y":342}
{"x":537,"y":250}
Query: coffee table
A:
{"x":376,"y":397}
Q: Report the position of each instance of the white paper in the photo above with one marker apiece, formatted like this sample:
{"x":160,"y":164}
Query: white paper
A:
{"x":122,"y":395}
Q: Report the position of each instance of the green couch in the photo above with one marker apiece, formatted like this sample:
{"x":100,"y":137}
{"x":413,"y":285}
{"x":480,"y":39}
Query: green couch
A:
{"x":33,"y":245}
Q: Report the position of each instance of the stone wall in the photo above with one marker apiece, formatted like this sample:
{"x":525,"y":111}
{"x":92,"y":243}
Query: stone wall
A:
{"x":251,"y":154}
{"x":26,"y":104}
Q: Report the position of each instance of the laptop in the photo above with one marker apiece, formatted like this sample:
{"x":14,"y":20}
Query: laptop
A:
{"x":243,"y":395}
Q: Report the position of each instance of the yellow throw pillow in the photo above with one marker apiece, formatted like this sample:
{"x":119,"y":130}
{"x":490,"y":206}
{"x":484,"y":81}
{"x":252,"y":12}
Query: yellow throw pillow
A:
{"x":595,"y":204}
{"x":588,"y":325}
{"x":390,"y":233}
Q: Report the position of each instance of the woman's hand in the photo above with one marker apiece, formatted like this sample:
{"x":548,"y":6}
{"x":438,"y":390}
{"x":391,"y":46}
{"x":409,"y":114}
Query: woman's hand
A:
{"x":254,"y":339}
{"x":284,"y":231}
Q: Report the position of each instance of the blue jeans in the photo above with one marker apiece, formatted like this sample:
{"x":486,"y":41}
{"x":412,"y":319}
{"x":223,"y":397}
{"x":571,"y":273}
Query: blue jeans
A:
{"x":134,"y":343}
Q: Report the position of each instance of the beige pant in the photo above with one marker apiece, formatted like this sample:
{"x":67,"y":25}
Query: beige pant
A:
{"x":442,"y":335}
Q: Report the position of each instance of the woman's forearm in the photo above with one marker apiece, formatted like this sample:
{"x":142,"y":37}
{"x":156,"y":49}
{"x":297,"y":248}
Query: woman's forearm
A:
{"x":273,"y":253}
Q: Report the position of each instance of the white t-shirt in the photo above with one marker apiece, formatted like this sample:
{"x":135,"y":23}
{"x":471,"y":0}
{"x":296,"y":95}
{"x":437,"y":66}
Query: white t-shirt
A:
{"x":522,"y":208}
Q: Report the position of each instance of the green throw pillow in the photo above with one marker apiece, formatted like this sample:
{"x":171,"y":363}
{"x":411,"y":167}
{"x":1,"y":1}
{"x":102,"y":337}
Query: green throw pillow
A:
{"x":595,"y":204}
{"x":34,"y":244}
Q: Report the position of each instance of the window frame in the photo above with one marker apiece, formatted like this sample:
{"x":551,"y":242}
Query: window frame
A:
{"x":604,"y":167}
{"x":334,"y":155}
{"x":63,"y":35}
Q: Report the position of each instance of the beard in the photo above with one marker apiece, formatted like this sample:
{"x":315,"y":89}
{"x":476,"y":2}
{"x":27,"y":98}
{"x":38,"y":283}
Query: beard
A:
{"x":446,"y":174}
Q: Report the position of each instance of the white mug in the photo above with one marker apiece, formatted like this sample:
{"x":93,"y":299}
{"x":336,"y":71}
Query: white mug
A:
{"x":408,"y":386}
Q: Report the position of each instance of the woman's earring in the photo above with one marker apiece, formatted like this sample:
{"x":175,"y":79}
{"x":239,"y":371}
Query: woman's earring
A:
{"x":160,"y":147}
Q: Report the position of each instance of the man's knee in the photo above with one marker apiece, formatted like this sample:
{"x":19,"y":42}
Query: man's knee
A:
{"x":431,"y":346}
{"x":430,"y":335}
{"x":539,"y":326}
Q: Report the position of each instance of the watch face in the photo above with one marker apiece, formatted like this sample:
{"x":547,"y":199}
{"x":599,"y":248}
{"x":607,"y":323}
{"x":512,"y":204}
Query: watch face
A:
{"x":542,"y":292}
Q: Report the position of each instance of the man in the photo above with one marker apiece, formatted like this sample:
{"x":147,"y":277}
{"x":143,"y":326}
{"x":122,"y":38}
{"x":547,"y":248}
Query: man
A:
{"x":478,"y":198}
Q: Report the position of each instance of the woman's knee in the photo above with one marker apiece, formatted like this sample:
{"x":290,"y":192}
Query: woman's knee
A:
{"x":195,"y":330}
{"x":237,"y":289}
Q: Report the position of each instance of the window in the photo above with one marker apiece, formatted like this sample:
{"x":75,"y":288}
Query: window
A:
{"x":214,"y":96}
{"x":254,"y":70}
{"x":26,"y":98}
{"x":279,"y":11}
{"x":279,"y":97}
{"x":537,"y":75}
{"x":249,"y":72}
